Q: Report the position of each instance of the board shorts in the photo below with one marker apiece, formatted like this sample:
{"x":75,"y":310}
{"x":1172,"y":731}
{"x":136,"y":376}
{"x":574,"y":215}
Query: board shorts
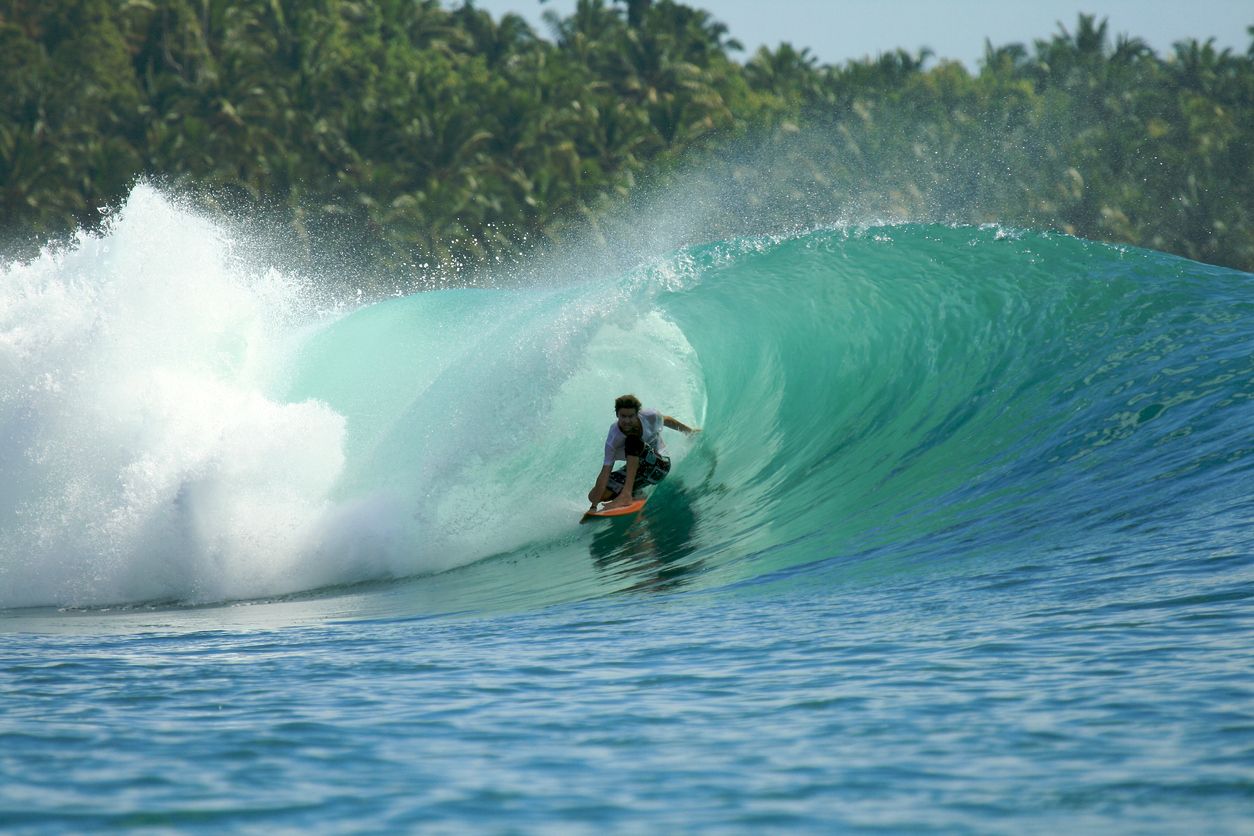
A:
{"x":653,"y":469}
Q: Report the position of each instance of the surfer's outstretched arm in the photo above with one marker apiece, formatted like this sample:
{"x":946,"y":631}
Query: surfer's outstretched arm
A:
{"x":676,"y":424}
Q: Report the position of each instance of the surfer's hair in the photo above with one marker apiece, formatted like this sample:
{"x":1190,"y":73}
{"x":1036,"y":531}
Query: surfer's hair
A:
{"x":626,"y":402}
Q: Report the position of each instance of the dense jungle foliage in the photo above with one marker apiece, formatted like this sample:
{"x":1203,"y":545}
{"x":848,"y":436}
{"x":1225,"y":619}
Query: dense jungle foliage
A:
{"x":420,"y":134}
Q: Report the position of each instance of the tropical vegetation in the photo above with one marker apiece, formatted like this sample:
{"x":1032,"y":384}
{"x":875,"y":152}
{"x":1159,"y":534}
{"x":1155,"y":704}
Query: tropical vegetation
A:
{"x":419,"y":135}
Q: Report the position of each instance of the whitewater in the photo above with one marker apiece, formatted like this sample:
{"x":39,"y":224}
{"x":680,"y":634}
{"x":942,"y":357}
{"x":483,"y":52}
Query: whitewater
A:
{"x":964,"y":546}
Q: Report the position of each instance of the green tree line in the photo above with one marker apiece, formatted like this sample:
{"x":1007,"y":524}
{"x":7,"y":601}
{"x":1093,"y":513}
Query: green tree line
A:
{"x":420,"y":134}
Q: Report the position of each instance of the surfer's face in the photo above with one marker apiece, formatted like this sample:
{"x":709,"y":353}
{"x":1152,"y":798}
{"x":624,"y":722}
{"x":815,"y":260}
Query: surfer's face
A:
{"x":629,"y":420}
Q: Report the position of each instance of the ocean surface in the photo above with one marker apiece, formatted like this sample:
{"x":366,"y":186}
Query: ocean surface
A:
{"x":965,"y":545}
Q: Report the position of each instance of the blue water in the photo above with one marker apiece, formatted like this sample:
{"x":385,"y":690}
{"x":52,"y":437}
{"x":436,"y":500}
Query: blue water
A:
{"x":965,"y":545}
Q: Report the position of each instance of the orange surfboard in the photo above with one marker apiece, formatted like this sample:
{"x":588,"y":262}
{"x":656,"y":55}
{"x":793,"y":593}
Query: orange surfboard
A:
{"x":624,"y":511}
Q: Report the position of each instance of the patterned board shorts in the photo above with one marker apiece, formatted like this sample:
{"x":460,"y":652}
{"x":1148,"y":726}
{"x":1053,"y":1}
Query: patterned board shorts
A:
{"x":653,"y":469}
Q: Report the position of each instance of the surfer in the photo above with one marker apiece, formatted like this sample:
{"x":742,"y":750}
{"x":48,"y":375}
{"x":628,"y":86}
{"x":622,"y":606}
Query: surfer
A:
{"x":635,"y":438}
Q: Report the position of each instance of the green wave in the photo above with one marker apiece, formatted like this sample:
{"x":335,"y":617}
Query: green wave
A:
{"x":872,"y":399}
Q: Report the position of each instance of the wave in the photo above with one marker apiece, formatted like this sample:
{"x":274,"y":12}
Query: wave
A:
{"x":179,"y":424}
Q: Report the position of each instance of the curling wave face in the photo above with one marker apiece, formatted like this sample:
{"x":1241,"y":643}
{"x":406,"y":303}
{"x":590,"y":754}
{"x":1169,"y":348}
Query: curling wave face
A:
{"x":180,"y":426}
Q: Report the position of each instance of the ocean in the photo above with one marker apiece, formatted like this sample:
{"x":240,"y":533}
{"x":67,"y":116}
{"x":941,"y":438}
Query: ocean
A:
{"x":965,"y":545}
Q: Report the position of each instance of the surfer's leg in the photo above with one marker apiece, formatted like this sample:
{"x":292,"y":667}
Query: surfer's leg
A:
{"x":615,"y":485}
{"x":620,"y":479}
{"x":657,"y":467}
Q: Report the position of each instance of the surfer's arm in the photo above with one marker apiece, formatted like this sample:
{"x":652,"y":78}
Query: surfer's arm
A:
{"x":676,"y":424}
{"x":598,"y":490}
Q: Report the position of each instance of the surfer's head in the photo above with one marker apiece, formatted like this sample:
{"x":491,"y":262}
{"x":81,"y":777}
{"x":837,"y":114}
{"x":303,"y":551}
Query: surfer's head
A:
{"x":627,"y":410}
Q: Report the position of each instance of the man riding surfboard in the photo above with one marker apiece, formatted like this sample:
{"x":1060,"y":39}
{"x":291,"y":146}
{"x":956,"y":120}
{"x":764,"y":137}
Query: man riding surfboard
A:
{"x":635,"y":438}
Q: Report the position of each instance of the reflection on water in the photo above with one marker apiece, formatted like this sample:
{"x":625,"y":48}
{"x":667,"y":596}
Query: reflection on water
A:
{"x":653,"y":547}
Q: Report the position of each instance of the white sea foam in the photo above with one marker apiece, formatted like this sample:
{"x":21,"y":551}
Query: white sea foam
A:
{"x":141,"y":457}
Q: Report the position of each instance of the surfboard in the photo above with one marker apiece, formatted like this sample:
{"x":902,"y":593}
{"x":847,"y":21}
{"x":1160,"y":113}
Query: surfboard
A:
{"x":624,"y":511}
